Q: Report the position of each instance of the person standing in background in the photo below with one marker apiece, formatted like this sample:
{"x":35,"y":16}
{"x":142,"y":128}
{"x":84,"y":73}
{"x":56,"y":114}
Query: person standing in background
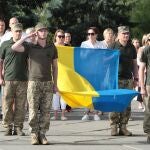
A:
{"x":136,"y":44}
{"x":58,"y":101}
{"x":67,"y":41}
{"x":91,"y":42}
{"x":108,"y":35}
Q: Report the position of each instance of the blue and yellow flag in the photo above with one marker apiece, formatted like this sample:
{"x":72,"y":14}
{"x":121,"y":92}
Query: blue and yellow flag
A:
{"x":89,"y":78}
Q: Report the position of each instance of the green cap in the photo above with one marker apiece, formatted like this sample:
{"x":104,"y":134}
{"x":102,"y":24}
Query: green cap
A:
{"x":123,"y":29}
{"x":40,"y":26}
{"x":17,"y":26}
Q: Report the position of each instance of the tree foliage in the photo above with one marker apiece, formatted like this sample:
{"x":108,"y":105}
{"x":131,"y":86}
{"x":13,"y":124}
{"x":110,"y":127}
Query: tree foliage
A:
{"x":140,"y":16}
{"x":77,"y":15}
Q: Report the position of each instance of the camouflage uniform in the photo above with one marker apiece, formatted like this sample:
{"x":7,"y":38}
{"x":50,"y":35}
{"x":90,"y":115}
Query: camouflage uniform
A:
{"x":14,"y":91}
{"x":123,"y":117}
{"x":146,"y":124}
{"x":15,"y":88}
{"x":126,"y":72}
{"x":39,"y":94}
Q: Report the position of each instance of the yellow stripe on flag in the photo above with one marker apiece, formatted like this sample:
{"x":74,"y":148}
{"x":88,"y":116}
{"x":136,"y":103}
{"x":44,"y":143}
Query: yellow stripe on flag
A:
{"x":75,"y":90}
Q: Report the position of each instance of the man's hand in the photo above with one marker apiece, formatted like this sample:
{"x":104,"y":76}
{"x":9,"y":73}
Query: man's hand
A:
{"x":30,"y":35}
{"x":55,"y":89}
{"x":135,"y":83}
{"x":143,"y":91}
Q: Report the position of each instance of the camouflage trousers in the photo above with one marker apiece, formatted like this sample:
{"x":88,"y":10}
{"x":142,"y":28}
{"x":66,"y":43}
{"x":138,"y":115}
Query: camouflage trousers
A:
{"x":146,"y":124}
{"x":123,"y":117}
{"x":14,"y":97}
{"x":39,"y":95}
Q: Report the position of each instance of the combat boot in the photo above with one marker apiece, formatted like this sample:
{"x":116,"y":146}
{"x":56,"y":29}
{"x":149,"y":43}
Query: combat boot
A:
{"x":34,"y":139}
{"x":114,"y":130}
{"x":123,"y":130}
{"x":18,"y":131}
{"x":148,"y":138}
{"x":42,"y":139}
{"x":8,"y":132}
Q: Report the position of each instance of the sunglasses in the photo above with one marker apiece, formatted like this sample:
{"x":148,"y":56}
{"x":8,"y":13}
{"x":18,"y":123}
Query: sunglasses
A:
{"x":90,"y":34}
{"x":61,"y":36}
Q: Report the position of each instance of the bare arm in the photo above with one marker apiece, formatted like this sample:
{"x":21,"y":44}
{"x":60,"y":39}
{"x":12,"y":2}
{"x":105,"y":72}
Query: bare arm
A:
{"x":135,"y":69}
{"x":18,"y":47}
{"x":55,"y":74}
{"x":142,"y":77}
{"x":1,"y":72}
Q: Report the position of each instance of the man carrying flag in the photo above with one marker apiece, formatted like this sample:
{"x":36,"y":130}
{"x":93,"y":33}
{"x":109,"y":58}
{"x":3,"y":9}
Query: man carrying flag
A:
{"x":128,"y":74}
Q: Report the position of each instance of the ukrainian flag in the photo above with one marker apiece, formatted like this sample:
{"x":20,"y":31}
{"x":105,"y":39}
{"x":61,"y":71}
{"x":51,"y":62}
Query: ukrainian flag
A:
{"x":89,"y":78}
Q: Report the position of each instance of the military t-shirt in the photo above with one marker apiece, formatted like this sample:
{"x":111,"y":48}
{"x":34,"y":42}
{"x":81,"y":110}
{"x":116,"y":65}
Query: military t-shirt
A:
{"x":145,"y":57}
{"x":15,"y":63}
{"x":127,"y":54}
{"x":40,"y":61}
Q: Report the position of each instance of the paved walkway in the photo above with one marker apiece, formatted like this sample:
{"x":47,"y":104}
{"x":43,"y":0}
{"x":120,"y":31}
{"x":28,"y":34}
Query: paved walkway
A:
{"x":75,"y":134}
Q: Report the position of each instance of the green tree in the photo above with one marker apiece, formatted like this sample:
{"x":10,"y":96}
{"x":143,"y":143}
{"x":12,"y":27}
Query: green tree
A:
{"x":141,"y":18}
{"x":77,"y":16}
{"x":21,"y":9}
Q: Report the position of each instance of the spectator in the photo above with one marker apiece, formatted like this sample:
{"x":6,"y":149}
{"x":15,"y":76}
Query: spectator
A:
{"x":67,"y":41}
{"x":58,"y":40}
{"x":136,"y":44}
{"x":108,"y":35}
{"x":91,"y":42}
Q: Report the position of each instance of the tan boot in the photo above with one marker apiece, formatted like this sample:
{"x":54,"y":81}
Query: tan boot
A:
{"x":8,"y":132}
{"x":34,"y":139}
{"x":123,"y":130}
{"x":43,"y":140}
{"x":148,"y":138}
{"x":18,"y":131}
{"x":114,"y":130}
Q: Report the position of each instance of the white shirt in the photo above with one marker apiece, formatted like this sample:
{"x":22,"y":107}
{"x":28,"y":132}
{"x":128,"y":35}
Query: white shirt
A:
{"x":103,"y":45}
{"x":88,"y":44}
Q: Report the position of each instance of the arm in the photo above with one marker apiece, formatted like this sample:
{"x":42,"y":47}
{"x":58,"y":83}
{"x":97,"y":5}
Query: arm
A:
{"x":55,"y":73}
{"x":1,"y":72}
{"x":18,"y":47}
{"x":135,"y":72}
{"x":142,"y":77}
{"x":135,"y":68}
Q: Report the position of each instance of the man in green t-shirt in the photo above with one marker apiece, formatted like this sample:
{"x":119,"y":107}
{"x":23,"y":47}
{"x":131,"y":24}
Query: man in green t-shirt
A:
{"x":145,"y":88}
{"x":42,"y":57}
{"x":13,"y":78}
{"x":128,"y":76}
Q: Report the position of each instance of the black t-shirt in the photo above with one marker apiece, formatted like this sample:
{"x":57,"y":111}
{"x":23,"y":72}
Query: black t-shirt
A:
{"x":15,"y":63}
{"x":127,"y":54}
{"x":40,"y":61}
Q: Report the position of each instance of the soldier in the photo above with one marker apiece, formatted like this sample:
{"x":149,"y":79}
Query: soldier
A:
{"x":42,"y":57}
{"x":145,"y":88}
{"x":128,"y":76}
{"x":14,"y":83}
